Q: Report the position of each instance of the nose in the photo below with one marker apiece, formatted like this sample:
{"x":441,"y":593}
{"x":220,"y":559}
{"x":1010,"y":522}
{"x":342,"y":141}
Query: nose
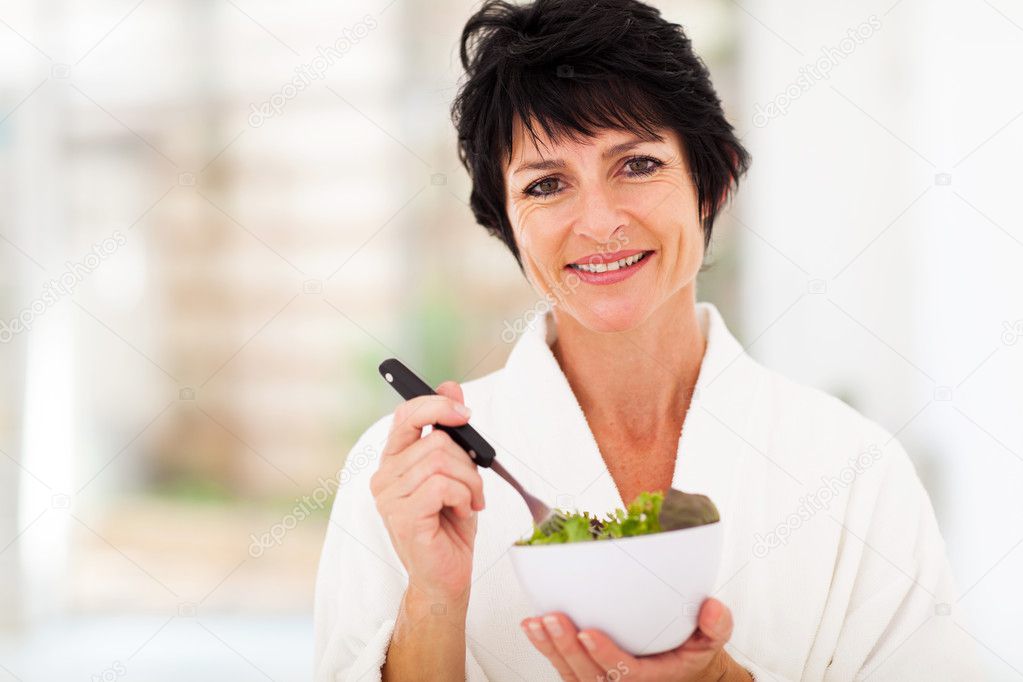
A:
{"x":600,"y":216}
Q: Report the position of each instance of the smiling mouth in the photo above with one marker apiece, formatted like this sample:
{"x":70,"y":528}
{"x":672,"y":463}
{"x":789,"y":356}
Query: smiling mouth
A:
{"x":612,"y":266}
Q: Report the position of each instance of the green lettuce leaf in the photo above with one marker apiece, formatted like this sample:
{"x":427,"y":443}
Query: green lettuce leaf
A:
{"x":648,"y":513}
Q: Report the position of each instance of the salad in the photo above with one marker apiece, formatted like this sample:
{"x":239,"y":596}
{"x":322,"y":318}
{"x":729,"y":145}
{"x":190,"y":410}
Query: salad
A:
{"x":648,"y":513}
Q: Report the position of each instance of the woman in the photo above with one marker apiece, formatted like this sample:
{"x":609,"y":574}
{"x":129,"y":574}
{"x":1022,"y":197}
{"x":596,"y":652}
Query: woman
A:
{"x":600,"y":155}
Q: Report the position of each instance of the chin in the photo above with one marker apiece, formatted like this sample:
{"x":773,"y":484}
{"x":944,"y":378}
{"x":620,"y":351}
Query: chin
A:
{"x":612,"y":316}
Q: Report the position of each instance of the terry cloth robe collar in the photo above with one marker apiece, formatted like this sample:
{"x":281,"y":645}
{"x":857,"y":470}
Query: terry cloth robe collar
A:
{"x":554,"y":453}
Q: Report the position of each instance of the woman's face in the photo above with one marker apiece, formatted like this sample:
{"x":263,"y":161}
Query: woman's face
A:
{"x":612,"y":194}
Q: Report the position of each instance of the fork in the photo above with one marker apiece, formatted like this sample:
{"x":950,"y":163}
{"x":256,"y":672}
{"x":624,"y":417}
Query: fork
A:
{"x":409,"y":386}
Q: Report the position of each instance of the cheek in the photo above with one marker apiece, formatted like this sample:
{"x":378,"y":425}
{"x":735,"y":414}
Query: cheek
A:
{"x":532,"y":227}
{"x":536,"y":232}
{"x":671,"y":214}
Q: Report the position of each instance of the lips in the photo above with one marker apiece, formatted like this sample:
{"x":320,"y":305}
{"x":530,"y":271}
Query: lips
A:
{"x":611,"y":264}
{"x":613,"y":272}
{"x":606,"y":256}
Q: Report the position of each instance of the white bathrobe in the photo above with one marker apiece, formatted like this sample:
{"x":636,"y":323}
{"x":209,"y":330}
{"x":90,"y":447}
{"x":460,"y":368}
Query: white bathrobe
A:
{"x":833,"y":565}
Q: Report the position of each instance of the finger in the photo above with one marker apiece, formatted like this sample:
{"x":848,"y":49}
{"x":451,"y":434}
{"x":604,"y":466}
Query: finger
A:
{"x":533,"y":627}
{"x":451,"y":389}
{"x":452,"y":460}
{"x":563,"y":633}
{"x":397,"y":464}
{"x":606,"y":654}
{"x":410,"y":519}
{"x":441,"y":456}
{"x":715,"y":627}
{"x":437,"y":439}
{"x":411,"y":416}
{"x":427,"y":501}
{"x":418,"y":517}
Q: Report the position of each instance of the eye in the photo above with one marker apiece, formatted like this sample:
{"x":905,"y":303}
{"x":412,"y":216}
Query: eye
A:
{"x":547,"y":187}
{"x":654,"y":164}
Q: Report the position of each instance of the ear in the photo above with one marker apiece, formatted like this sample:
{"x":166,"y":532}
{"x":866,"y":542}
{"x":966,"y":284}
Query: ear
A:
{"x":723,"y":197}
{"x":733,"y":156}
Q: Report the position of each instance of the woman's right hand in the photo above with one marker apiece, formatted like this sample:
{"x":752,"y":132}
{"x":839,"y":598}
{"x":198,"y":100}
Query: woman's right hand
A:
{"x":428,"y":490}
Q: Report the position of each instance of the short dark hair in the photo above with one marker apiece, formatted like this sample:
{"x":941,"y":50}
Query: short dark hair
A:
{"x":575,"y":67}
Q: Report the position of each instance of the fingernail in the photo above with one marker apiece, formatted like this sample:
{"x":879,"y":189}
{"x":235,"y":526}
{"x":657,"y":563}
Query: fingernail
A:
{"x":537,"y":630}
{"x":587,"y":641}
{"x":553,"y":626}
{"x":462,"y":409}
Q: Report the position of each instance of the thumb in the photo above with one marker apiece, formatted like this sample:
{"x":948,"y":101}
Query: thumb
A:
{"x":715,"y":621}
{"x":451,"y":389}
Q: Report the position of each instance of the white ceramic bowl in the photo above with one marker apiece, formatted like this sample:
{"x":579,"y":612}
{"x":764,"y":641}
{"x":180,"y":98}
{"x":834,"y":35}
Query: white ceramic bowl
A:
{"x":644,"y":592}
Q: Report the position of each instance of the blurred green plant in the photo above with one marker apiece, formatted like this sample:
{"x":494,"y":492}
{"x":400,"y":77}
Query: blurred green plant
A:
{"x":194,"y":489}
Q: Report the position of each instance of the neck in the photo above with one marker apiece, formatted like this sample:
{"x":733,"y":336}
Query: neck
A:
{"x":639,"y":378}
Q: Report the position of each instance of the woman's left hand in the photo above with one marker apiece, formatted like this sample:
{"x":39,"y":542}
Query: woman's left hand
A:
{"x":591,"y":655}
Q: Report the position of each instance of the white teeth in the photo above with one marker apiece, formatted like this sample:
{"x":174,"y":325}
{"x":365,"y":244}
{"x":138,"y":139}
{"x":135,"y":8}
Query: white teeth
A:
{"x":605,"y":267}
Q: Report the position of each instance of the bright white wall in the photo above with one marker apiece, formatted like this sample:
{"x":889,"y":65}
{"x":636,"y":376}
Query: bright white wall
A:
{"x":894,"y":182}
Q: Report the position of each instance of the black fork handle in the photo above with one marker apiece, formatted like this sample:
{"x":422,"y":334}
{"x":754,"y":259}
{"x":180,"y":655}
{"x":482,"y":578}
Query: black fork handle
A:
{"x":410,"y":386}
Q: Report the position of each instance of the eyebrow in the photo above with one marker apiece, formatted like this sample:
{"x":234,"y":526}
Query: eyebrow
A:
{"x":556,"y":164}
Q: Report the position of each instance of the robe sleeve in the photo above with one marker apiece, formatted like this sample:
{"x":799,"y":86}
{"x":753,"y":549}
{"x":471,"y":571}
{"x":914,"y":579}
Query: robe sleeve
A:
{"x":891,"y":607}
{"x":361,"y":581}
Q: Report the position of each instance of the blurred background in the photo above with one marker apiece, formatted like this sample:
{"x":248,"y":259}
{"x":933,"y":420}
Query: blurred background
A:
{"x":218,"y":216}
